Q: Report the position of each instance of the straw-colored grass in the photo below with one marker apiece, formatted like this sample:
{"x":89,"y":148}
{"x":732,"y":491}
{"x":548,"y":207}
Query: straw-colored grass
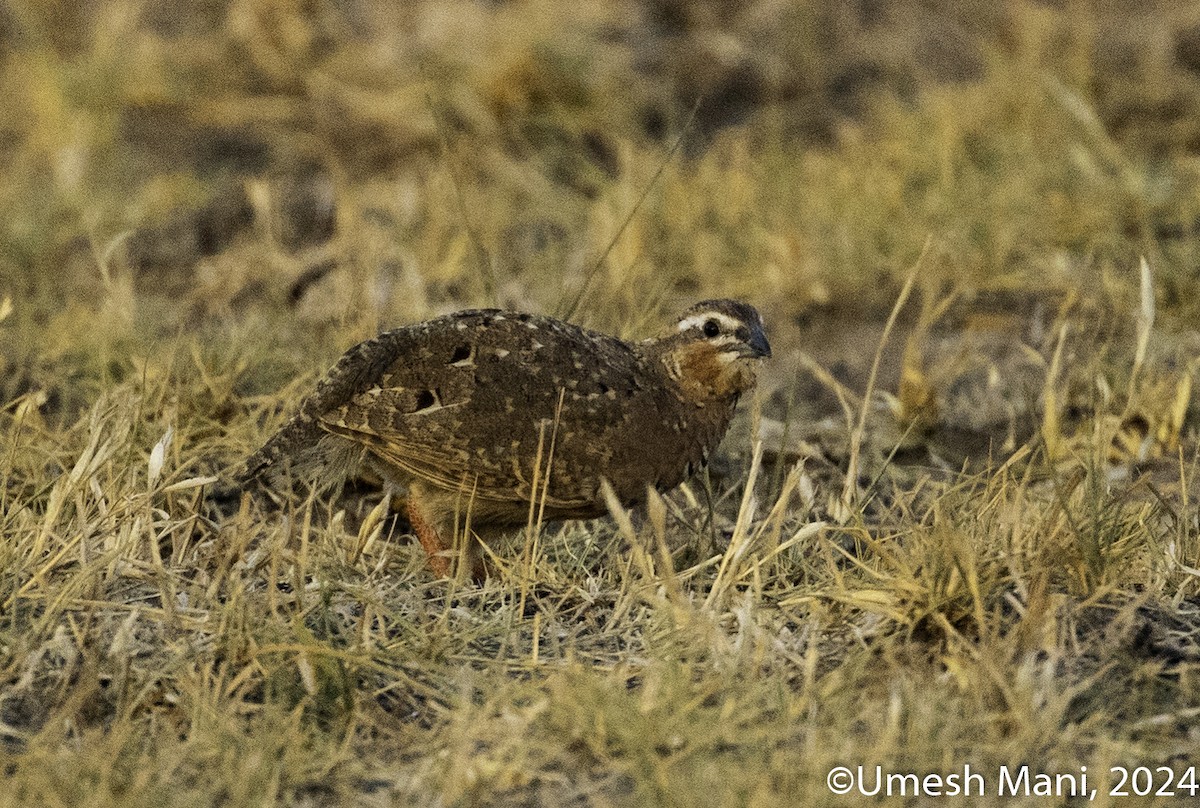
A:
{"x":965,"y":537}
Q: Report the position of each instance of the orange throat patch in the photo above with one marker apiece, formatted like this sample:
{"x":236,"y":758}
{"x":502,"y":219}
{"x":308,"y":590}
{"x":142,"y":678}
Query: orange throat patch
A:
{"x":706,"y":372}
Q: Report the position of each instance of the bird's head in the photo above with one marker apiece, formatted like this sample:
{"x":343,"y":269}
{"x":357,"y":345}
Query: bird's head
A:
{"x":714,"y":350}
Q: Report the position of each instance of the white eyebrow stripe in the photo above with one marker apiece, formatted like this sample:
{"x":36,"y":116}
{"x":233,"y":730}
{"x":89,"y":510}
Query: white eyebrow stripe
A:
{"x":698,"y":320}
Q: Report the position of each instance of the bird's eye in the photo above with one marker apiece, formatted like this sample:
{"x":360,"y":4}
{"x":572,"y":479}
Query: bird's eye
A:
{"x":711,"y":328}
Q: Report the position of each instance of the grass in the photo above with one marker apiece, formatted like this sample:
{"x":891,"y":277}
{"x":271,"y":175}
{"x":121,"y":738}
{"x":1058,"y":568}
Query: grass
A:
{"x":965,"y":537}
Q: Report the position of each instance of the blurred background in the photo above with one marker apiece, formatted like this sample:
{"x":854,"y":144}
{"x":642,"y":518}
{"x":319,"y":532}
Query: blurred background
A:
{"x":264,"y":171}
{"x":986,"y":553}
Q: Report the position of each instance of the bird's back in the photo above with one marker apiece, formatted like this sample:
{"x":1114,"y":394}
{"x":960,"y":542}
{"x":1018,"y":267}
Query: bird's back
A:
{"x":472,"y":401}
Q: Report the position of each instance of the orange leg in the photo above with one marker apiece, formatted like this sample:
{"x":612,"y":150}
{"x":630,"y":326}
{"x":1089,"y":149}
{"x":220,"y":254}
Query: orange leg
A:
{"x":429,"y":538}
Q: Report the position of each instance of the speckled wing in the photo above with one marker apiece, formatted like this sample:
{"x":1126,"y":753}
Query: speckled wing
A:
{"x":469,"y":397}
{"x":297,"y":448}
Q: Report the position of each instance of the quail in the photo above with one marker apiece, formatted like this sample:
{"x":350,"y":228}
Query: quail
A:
{"x":478,"y":414}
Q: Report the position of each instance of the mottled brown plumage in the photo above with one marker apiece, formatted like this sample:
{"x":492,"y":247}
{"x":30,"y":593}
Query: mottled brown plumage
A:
{"x":459,"y":412}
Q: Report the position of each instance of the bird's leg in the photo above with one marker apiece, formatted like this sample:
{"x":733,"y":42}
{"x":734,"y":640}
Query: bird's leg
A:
{"x":468,"y":554}
{"x":479,"y":570}
{"x":428,"y":536}
{"x":469,"y":544}
{"x":472,"y":558}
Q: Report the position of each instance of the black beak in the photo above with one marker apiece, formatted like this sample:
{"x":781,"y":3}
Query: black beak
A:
{"x":759,"y":347}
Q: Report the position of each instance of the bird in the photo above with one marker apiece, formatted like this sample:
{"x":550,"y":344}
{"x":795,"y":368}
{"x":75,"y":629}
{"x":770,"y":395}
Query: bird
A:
{"x":473,"y":416}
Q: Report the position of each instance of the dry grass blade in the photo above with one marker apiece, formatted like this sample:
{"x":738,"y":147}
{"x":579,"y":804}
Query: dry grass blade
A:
{"x":573,"y":308}
{"x":850,"y":489}
{"x":1051,"y":433}
{"x":1144,"y":321}
{"x":743,"y":537}
{"x":483,"y":259}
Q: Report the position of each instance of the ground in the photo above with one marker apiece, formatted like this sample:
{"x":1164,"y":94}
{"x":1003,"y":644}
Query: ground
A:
{"x":955,"y":525}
